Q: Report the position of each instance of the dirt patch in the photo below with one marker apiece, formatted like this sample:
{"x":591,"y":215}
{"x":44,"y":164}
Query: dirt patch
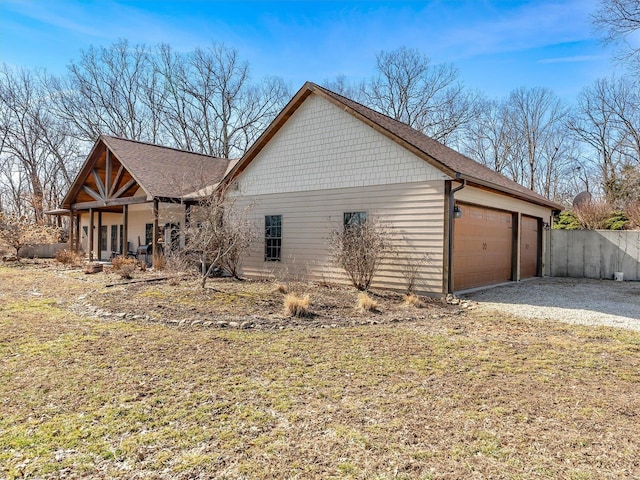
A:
{"x":228,"y":303}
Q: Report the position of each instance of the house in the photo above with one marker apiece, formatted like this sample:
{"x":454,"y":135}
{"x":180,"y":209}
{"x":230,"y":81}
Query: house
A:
{"x":325,"y":160}
{"x":130,"y":194}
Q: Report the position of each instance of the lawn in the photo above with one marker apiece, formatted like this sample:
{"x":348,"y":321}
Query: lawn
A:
{"x":456,"y":395}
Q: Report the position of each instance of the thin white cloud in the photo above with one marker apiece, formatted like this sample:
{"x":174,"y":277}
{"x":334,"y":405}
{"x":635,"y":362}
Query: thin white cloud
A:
{"x":573,"y":59}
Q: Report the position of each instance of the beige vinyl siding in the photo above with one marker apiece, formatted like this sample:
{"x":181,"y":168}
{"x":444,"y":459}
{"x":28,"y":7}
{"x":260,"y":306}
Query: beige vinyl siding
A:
{"x":413,"y":213}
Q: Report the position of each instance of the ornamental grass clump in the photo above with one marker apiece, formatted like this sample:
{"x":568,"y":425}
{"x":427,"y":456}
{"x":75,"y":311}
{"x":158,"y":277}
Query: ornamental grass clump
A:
{"x":412,"y":300}
{"x":296,"y":306}
{"x":366,"y":303}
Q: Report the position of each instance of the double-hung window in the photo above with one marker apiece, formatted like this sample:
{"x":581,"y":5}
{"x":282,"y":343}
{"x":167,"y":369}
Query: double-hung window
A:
{"x":272,"y":238}
{"x":354,"y":219}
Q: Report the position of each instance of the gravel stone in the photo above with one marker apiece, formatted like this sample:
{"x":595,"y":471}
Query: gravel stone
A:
{"x":571,"y":300}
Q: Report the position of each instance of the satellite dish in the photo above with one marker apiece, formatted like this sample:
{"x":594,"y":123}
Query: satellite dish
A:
{"x":581,"y":199}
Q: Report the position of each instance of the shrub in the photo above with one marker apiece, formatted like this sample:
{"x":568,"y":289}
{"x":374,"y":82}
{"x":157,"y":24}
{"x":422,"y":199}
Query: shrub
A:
{"x":124,"y":266}
{"x":412,"y":300}
{"x":295,"y":306}
{"x":359,"y":250}
{"x":68,"y":257}
{"x":593,"y":215}
{"x":633,"y":213}
{"x":366,"y":303}
{"x":616,"y":221}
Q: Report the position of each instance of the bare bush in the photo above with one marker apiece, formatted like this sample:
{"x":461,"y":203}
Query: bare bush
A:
{"x":633,"y":214}
{"x":222,"y":236}
{"x":124,"y":266}
{"x":68,"y":257}
{"x":592,"y":215}
{"x":366,"y":303}
{"x":17,"y":232}
{"x":359,"y":250}
{"x":412,"y":265}
{"x":296,"y":306}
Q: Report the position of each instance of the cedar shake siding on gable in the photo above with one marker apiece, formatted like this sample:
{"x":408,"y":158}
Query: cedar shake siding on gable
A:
{"x":322,"y":147}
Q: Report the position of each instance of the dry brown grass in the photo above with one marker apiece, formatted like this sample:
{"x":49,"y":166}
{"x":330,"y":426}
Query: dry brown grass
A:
{"x":124,"y":266}
{"x":297,"y":306}
{"x":365,"y":303}
{"x":412,"y":300}
{"x":476,"y":396}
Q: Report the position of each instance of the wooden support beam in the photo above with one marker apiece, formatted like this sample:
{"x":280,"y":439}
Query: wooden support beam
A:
{"x":107,"y":175}
{"x":125,"y":230}
{"x":99,"y":184}
{"x":116,"y":181}
{"x":93,"y":193}
{"x":113,"y":203}
{"x":99,"y":235}
{"x":78,"y":218}
{"x":124,"y":188}
{"x":154,"y":240}
{"x":91,"y":234}
{"x":71,"y":230}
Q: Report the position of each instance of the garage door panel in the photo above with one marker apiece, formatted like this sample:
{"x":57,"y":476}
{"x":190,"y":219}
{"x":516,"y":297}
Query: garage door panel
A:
{"x":529,"y":246}
{"x":482,"y":247}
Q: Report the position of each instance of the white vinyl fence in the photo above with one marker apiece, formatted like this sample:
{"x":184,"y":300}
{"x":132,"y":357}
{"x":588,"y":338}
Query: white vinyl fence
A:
{"x":595,"y":253}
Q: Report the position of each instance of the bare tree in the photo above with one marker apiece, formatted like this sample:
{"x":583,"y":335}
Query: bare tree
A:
{"x":36,"y":148}
{"x":221,"y":237}
{"x":536,"y":114}
{"x":490,"y":137}
{"x":619,"y":20}
{"x":105,"y":92}
{"x":17,"y":232}
{"x":607,"y":122}
{"x":427,"y":97}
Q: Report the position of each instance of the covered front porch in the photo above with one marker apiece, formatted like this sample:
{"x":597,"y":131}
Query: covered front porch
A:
{"x":133,"y":198}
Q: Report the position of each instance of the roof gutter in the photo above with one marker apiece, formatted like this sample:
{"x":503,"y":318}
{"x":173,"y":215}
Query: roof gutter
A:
{"x":451,"y":219}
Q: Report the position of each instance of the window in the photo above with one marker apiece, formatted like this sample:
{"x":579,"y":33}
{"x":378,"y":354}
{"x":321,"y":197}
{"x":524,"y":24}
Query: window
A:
{"x":103,"y":238}
{"x":126,"y":247}
{"x":114,"y":238}
{"x":354,"y":219}
{"x":148,"y":233}
{"x":272,"y":238}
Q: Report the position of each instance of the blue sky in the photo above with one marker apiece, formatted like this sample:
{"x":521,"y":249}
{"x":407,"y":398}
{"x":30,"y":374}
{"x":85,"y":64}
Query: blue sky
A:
{"x":497,"y":46}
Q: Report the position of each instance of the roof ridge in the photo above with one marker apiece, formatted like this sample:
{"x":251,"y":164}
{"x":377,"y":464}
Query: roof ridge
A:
{"x":181,"y":150}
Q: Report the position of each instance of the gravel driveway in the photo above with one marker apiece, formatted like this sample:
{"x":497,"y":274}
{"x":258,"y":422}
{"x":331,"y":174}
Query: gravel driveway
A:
{"x":571,"y":300}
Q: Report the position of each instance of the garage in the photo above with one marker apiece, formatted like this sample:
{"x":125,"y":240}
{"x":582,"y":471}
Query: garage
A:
{"x":483,"y":247}
{"x":529,"y":246}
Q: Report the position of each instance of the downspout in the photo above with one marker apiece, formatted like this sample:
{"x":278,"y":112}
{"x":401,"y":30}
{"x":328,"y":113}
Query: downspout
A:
{"x":451,"y":219}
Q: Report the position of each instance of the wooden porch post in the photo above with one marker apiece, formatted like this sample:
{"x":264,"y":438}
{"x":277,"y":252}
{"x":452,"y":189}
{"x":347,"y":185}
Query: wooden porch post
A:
{"x":91,"y":234}
{"x":187,"y":221}
{"x":99,"y":236}
{"x":71,"y":229}
{"x":125,"y":230}
{"x":77,"y":250}
{"x":154,"y":241}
